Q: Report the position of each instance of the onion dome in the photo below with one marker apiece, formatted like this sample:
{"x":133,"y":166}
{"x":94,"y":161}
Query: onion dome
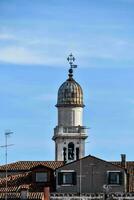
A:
{"x":70,"y":93}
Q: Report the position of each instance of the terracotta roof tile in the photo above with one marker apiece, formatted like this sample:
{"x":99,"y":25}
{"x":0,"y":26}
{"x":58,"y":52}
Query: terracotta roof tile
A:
{"x":22,"y":174}
{"x":31,"y":195}
{"x":9,"y":189}
{"x":10,"y":195}
{"x":35,"y":195}
{"x":13,"y":178}
{"x":27,"y":165}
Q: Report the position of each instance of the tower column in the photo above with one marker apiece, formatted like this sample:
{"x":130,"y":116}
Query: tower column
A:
{"x":70,"y":134}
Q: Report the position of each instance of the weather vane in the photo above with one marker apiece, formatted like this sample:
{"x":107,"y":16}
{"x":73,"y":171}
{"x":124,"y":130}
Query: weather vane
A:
{"x":71,"y":60}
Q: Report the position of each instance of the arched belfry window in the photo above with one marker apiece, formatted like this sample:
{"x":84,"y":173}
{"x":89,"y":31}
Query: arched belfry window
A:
{"x":77,"y":153}
{"x":64,"y":154}
{"x":71,"y":151}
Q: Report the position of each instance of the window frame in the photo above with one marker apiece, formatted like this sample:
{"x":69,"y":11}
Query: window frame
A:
{"x":118,"y":182}
{"x":39,"y":173}
{"x":61,"y":178}
{"x":67,"y":178}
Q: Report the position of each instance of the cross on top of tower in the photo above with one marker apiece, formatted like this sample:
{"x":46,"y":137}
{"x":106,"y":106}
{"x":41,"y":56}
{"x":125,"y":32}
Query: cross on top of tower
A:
{"x":71,"y":60}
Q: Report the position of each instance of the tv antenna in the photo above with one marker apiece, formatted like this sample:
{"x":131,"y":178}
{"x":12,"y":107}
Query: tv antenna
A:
{"x":6,"y":145}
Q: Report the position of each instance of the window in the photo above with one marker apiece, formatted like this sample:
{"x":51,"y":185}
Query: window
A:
{"x":115,"y":178}
{"x":41,"y":177}
{"x":77,"y":153}
{"x":70,"y":151}
{"x":64,"y":154}
{"x":67,"y":178}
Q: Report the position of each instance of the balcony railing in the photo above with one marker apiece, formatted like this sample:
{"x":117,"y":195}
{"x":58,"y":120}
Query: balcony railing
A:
{"x":92,"y":196}
{"x":70,"y":129}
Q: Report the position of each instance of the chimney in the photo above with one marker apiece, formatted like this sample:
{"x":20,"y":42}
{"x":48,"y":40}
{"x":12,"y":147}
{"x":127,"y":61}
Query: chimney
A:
{"x":46,"y":193}
{"x":123,"y":161}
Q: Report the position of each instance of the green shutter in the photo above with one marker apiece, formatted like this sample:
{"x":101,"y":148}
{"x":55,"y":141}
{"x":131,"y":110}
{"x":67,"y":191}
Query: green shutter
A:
{"x":121,"y":178}
{"x":60,"y":178}
{"x":74,"y":179}
{"x":109,"y":177}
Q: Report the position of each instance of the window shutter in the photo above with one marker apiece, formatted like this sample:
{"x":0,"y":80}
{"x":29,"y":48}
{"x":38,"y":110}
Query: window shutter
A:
{"x":60,"y":178}
{"x":109,"y":178}
{"x":120,"y":178}
{"x":74,"y":179}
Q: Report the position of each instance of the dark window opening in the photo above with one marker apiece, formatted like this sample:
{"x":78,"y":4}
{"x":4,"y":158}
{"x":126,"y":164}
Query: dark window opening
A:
{"x":71,"y":151}
{"x":64,"y":154}
{"x":67,"y":178}
{"x":77,"y":153}
{"x":115,"y":178}
{"x":41,"y":176}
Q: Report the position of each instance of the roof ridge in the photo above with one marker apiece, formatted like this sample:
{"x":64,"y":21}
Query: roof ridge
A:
{"x":27,"y":165}
{"x":94,"y":158}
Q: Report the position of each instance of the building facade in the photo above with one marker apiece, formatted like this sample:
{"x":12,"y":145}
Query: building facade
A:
{"x":91,"y":175}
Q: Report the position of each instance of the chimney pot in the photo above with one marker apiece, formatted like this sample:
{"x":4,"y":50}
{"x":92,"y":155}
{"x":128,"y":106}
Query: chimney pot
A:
{"x":123,"y":160}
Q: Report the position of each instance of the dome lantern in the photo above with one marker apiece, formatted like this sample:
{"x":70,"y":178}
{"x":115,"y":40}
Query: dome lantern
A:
{"x":70,"y":92}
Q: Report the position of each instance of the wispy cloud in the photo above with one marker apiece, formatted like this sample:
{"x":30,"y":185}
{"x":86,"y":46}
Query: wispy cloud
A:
{"x":47,"y":97}
{"x":108,"y":47}
{"x":19,"y":55}
{"x":47,"y":50}
{"x":130,"y":101}
{"x":23,"y":55}
{"x":5,"y":36}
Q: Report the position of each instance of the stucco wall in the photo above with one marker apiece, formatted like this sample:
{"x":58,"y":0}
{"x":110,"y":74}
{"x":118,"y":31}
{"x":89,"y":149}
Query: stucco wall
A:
{"x":93,"y":176}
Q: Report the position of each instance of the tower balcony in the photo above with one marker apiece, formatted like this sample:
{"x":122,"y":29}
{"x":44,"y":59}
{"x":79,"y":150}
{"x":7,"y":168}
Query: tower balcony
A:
{"x":70,"y":131}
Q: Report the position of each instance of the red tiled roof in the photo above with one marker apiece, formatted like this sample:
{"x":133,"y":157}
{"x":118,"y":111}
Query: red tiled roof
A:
{"x":31,"y":195}
{"x":9,"y":189}
{"x":13,"y":178}
{"x":21,"y":175}
{"x":27,"y":165}
{"x":15,"y":188}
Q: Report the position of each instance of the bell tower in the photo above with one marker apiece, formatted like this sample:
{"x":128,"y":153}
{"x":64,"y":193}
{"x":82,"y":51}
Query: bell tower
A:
{"x":70,"y":134}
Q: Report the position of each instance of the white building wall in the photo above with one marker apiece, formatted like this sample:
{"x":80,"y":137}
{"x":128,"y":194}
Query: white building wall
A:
{"x":61,"y":143}
{"x":70,"y":116}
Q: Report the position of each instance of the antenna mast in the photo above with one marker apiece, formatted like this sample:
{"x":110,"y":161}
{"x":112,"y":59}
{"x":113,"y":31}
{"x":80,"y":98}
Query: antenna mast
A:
{"x":7,"y":134}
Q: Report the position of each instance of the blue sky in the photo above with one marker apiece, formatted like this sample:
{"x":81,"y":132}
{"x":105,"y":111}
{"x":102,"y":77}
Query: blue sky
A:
{"x":35,"y":39}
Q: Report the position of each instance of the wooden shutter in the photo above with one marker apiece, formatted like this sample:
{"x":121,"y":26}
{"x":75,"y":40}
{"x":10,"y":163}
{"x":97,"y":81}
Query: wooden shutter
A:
{"x":60,"y":178}
{"x":109,"y":178}
{"x":74,"y":178}
{"x":121,"y":178}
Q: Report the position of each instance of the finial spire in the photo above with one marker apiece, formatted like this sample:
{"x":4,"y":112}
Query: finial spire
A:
{"x":71,"y":60}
